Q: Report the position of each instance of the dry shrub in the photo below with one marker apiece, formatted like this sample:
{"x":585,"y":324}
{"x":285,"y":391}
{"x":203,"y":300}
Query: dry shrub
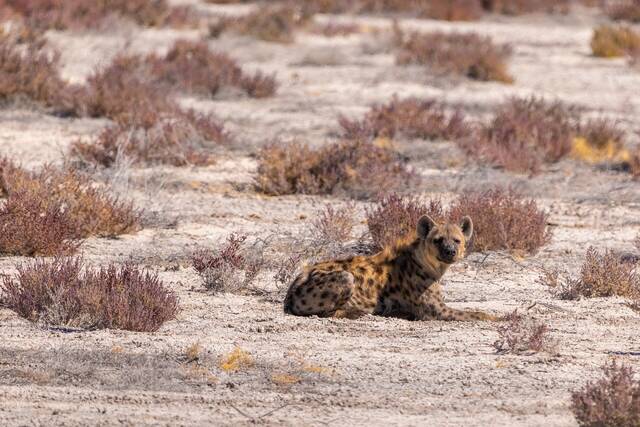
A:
{"x":230,"y":268}
{"x":150,"y":127}
{"x":30,"y":72}
{"x":623,"y":10}
{"x":355,"y":167}
{"x":520,"y":7}
{"x":31,"y":225}
{"x":49,"y":211}
{"x":273,"y":22}
{"x":465,"y":54}
{"x":336,"y":29}
{"x":452,"y":10}
{"x":599,"y":140}
{"x":334,"y":225}
{"x":612,"y":401}
{"x":63,"y":291}
{"x":633,"y":164}
{"x":182,"y":138}
{"x":410,"y":117}
{"x":503,"y":220}
{"x":81,"y":14}
{"x":610,"y":41}
{"x":524,"y":134}
{"x":190,"y":66}
{"x":601,"y":275}
{"x":522,"y":335}
{"x":395,"y":216}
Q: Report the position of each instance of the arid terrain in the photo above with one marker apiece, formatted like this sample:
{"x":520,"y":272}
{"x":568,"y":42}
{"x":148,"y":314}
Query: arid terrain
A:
{"x":323,"y":371}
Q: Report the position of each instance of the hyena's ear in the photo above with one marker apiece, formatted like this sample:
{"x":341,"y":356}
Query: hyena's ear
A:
{"x":467,"y":227}
{"x":425,"y":225}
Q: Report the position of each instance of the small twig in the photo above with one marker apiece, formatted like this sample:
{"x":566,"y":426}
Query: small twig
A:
{"x":252,"y":418}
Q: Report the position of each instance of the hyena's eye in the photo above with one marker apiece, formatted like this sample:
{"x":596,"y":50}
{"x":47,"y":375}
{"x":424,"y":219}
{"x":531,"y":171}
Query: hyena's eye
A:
{"x":457,"y":241}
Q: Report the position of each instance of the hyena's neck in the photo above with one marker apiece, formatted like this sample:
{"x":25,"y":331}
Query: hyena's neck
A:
{"x":415,"y":270}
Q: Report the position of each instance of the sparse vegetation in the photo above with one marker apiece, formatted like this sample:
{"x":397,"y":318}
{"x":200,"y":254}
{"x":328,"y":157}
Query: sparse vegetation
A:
{"x":64,"y":292}
{"x":601,"y":275}
{"x":394,"y":216}
{"x":237,"y":360}
{"x":355,"y":167}
{"x":410,"y":117}
{"x":610,"y":41}
{"x":336,"y":29}
{"x":522,"y":335}
{"x":525,"y":134}
{"x":49,"y":211}
{"x":465,"y":54}
{"x":612,"y":401}
{"x":230,"y":268}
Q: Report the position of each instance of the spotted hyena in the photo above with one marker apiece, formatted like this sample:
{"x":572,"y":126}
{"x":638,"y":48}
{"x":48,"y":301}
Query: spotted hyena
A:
{"x":402,"y":281}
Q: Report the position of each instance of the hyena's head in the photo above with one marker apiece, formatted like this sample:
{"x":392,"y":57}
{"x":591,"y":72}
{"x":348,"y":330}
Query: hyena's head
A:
{"x":443,"y":243}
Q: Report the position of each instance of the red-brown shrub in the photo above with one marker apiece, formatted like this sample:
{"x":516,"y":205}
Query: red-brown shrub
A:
{"x":520,"y":7}
{"x":29,"y":72}
{"x":63,"y":291}
{"x":81,"y":14}
{"x":355,"y":167}
{"x":601,"y":275}
{"x":49,"y":211}
{"x":410,"y":117}
{"x":522,"y":335}
{"x":271,"y":21}
{"x":192,"y":67}
{"x":524,"y":134}
{"x":182,"y":138}
{"x":334,"y":225}
{"x":465,"y":54}
{"x":612,"y":401}
{"x":502,"y":220}
{"x":395,"y":216}
{"x":232,"y":267}
{"x":623,"y":10}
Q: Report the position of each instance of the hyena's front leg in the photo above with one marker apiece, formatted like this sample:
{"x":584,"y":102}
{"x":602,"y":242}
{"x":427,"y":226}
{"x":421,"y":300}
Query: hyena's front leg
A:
{"x":435,"y":309}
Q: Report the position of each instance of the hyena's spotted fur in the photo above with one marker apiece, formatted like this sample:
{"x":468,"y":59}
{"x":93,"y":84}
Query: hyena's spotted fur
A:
{"x":402,"y":281}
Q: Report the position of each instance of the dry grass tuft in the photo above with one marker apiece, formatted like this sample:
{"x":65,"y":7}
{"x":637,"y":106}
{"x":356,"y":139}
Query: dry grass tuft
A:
{"x":525,"y":134}
{"x":465,"y":54}
{"x":64,"y":292}
{"x":610,"y":41}
{"x":193,"y":352}
{"x":623,"y":10}
{"x":355,"y":167}
{"x":601,"y":275}
{"x":599,"y":140}
{"x":237,"y":360}
{"x":49,"y":211}
{"x":395,"y":216}
{"x":503,"y":220}
{"x":522,"y":335}
{"x":612,"y":401}
{"x":521,"y":7}
{"x":230,"y":268}
{"x":410,"y":117}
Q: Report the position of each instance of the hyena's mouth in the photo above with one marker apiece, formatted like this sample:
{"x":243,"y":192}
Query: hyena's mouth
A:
{"x":445,"y":260}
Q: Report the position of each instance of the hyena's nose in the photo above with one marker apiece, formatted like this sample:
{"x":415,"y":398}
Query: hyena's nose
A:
{"x":449,"y":251}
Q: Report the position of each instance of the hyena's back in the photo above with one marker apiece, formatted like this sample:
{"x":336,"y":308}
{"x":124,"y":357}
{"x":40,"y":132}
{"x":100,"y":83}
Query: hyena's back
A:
{"x":318,"y":292}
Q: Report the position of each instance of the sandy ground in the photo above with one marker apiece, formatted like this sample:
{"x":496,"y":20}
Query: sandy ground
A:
{"x":372,"y":371}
